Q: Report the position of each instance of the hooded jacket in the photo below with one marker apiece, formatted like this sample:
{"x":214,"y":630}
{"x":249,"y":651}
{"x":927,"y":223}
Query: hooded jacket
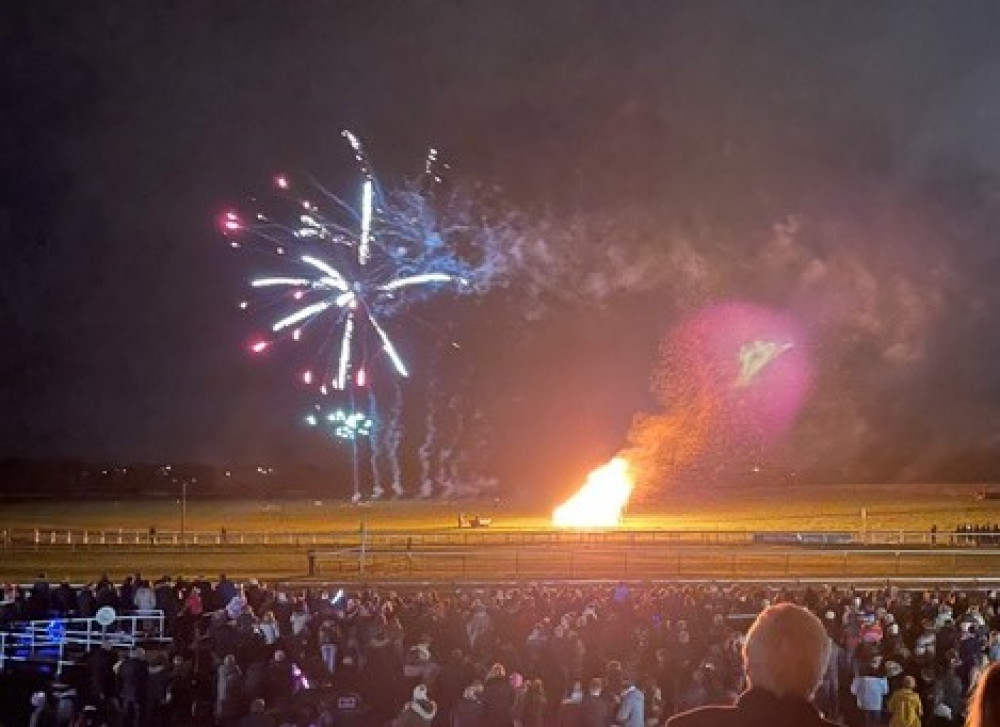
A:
{"x":906,"y":708}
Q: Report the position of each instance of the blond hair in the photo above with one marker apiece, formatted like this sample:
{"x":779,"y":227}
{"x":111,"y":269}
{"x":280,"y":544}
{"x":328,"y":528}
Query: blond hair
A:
{"x":786,"y":651}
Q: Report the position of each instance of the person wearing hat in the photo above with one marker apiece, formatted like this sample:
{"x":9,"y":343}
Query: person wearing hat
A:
{"x":785,"y":656}
{"x":419,"y":711}
{"x":905,"y":706}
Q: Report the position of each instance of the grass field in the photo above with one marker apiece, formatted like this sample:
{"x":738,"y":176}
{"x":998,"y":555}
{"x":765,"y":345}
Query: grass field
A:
{"x":289,"y":523}
{"x":827,"y":507}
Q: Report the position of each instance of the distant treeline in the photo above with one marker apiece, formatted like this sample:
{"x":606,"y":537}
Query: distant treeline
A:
{"x":77,"y":479}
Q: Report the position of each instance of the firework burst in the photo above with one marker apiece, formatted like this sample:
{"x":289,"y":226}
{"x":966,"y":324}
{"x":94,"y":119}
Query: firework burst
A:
{"x":343,"y":271}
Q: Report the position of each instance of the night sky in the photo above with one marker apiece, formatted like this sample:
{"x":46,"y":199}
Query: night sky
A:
{"x":836,"y":160}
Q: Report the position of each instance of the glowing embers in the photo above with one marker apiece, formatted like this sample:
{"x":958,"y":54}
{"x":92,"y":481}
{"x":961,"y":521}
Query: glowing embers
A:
{"x":601,"y":501}
{"x":342,"y":424}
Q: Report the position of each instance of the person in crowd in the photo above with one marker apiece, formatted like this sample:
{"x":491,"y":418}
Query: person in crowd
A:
{"x":631,"y":706}
{"x":43,"y":713}
{"x":870,"y":689}
{"x":498,"y":698}
{"x":280,"y":680}
{"x":984,"y":705}
{"x":595,"y":710}
{"x":785,"y":657}
{"x":468,"y":711}
{"x":158,"y":690}
{"x":258,"y":716}
{"x":905,"y":706}
{"x":133,"y":678}
{"x":534,"y":705}
{"x":419,"y":711}
{"x":688,"y":639}
{"x":229,"y":691}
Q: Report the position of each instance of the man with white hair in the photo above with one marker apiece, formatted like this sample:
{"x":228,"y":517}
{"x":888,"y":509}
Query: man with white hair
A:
{"x":785,"y":656}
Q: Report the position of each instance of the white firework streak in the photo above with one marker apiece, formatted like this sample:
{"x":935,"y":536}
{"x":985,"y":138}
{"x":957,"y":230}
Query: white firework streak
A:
{"x":388,"y":347}
{"x":333,"y":276}
{"x":411,"y":280}
{"x":367,"y":200}
{"x":300,"y":315}
{"x":271,"y":282}
{"x":345,"y":352}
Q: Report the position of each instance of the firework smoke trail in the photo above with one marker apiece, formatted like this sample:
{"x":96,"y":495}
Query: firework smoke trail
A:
{"x":426,"y":451}
{"x":447,"y":459}
{"x":375,"y":443}
{"x":355,"y":470}
{"x":394,"y":438}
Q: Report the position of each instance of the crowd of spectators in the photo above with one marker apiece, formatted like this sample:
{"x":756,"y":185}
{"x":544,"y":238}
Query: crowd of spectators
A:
{"x":250,"y":655}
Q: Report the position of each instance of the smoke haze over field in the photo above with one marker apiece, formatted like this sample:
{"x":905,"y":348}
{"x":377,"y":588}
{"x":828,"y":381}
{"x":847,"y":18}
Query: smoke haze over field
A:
{"x":837,"y":162}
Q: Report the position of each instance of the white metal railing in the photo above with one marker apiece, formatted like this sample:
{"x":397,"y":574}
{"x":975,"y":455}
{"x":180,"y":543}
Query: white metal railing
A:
{"x":133,"y":538}
{"x":27,"y":638}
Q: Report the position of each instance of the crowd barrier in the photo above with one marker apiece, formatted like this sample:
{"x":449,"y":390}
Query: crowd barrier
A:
{"x":58,"y":640}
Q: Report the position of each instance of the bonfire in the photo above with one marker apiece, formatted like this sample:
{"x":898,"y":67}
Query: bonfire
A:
{"x":601,"y":501}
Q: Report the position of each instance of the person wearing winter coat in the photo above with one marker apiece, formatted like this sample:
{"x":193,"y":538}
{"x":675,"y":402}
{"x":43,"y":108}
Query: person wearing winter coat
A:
{"x":595,"y":709}
{"x":42,"y":712}
{"x":870,"y":690}
{"x":498,"y":698}
{"x":158,"y":687}
{"x":228,"y":691}
{"x":133,"y":677}
{"x":419,"y":711}
{"x":534,"y":704}
{"x":905,"y":706}
{"x":785,"y":656}
{"x":631,"y":709}
{"x":468,"y":711}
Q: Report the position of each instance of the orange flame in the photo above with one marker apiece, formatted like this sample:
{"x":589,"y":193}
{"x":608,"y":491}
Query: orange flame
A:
{"x":601,"y":501}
